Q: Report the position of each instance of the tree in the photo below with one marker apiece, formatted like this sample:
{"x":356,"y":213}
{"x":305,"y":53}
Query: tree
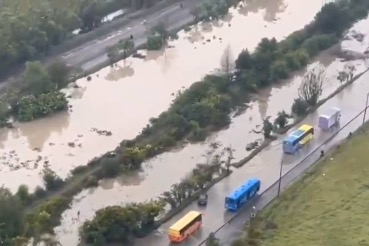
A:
{"x":36,"y":78}
{"x":121,"y":223}
{"x":11,"y":216}
{"x":281,"y":120}
{"x":299,"y":107}
{"x":244,"y":60}
{"x":154,"y":42}
{"x":4,"y":112}
{"x":158,"y":38}
{"x":127,"y":46}
{"x":51,"y":180}
{"x":332,"y":19}
{"x":227,"y":63}
{"x":346,"y":75}
{"x":32,"y":107}
{"x":59,"y":72}
{"x":90,"y":17}
{"x":161,"y":30}
{"x":112,"y":53}
{"x":279,"y":70}
{"x":23,"y":194}
{"x":267,"y":128}
{"x":230,"y":157}
{"x":312,"y":86}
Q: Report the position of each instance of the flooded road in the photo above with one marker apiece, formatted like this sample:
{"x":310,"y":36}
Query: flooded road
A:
{"x":265,"y":166}
{"x":149,"y":183}
{"x":121,"y":100}
{"x":268,"y":159}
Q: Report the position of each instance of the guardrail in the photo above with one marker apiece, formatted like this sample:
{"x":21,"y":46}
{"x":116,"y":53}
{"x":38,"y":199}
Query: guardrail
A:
{"x":271,"y":193}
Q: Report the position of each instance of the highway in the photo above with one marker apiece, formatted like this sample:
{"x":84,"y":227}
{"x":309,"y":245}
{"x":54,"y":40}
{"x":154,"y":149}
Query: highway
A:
{"x":266,"y":166}
{"x":93,"y":53}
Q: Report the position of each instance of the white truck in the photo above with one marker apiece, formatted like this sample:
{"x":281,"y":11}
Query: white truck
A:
{"x":330,"y":118}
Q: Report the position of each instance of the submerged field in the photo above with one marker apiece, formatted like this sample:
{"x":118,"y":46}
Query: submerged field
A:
{"x":329,"y":205}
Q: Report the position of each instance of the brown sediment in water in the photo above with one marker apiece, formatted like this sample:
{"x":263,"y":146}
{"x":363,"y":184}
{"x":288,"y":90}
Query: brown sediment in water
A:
{"x":170,"y":162}
{"x":125,"y":105}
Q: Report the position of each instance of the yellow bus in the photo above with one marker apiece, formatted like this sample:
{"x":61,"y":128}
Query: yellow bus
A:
{"x":185,"y":227}
{"x":308,"y":134}
{"x":298,"y":138}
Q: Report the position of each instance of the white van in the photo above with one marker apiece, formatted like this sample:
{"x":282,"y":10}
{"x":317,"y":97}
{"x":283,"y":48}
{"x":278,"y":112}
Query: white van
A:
{"x":329,"y":118}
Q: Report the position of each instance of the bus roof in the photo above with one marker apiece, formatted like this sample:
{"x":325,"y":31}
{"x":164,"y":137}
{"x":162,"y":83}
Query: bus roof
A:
{"x":250,"y":183}
{"x":297,"y":133}
{"x":182,"y":222}
{"x":305,"y":127}
{"x":290,"y":138}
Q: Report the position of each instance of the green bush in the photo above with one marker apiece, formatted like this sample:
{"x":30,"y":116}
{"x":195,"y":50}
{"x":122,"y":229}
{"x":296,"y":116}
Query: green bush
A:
{"x":23,"y":194}
{"x":299,"y":107}
{"x":154,"y":42}
{"x":120,"y":224}
{"x":52,"y":181}
{"x":91,"y":181}
{"x":32,"y":107}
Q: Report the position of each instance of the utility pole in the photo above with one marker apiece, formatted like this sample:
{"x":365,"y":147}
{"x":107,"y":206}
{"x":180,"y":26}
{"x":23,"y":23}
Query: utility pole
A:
{"x":280,"y":175}
{"x":366,"y":107}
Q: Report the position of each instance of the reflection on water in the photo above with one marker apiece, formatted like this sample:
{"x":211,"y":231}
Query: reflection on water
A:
{"x":154,"y":54}
{"x":119,"y":72}
{"x":271,"y":8}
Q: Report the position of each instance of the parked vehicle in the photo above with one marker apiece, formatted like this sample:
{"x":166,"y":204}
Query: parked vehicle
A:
{"x":203,"y":200}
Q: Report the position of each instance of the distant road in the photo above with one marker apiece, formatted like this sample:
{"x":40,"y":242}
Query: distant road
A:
{"x":93,"y":53}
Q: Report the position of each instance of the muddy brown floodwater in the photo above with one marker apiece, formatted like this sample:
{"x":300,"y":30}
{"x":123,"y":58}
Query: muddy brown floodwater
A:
{"x":150,"y":183}
{"x":121,"y":100}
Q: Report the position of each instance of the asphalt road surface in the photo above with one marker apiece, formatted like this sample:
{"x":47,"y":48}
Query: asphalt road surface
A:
{"x":266,"y":166}
{"x":94,"y":52}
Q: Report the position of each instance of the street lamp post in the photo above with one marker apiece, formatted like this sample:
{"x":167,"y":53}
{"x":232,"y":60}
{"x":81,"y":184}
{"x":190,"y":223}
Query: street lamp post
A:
{"x":366,"y":107}
{"x":280,"y":175}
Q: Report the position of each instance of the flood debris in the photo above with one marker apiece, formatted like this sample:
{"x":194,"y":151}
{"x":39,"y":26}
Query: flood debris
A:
{"x":140,"y":56}
{"x":358,"y":36}
{"x":102,"y":132}
{"x":12,"y":161}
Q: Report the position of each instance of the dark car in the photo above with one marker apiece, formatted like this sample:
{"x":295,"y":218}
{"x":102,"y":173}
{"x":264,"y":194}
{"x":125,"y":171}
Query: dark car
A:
{"x":203,"y":200}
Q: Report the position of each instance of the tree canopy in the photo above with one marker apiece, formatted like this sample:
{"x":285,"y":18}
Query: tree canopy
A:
{"x":30,"y":28}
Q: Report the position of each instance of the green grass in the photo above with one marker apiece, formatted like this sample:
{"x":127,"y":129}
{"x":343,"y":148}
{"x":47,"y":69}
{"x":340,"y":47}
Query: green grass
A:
{"x":329,"y":205}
